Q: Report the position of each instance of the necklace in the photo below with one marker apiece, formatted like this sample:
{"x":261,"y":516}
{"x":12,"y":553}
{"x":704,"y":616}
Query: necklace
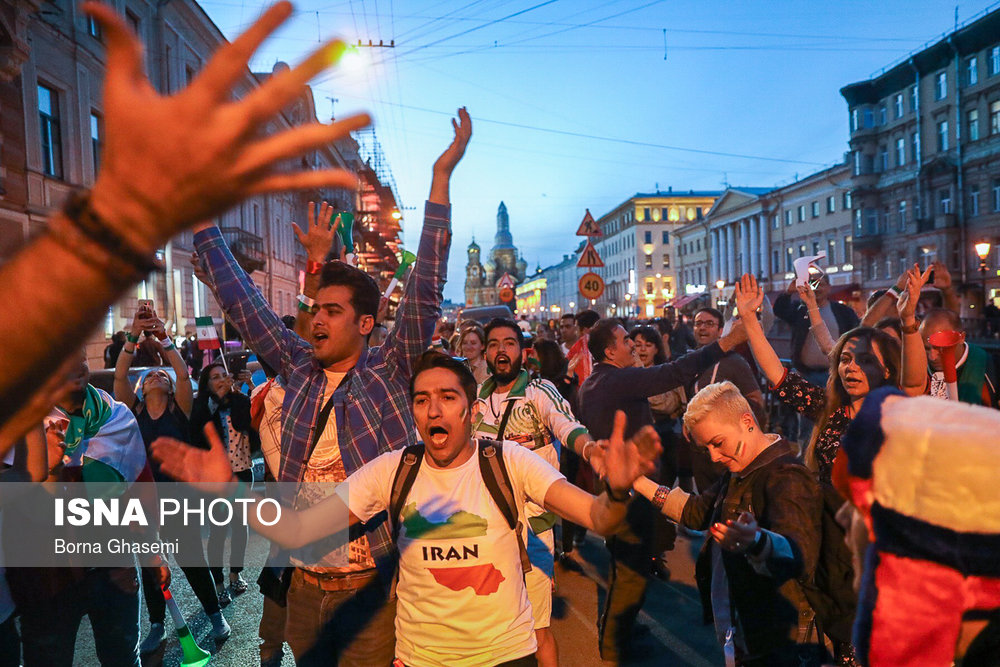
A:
{"x":496,"y":412}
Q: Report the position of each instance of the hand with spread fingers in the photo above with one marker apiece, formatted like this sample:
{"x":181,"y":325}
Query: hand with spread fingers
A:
{"x":906,"y":304}
{"x":318,"y":237}
{"x":169,"y":161}
{"x":749,"y":297}
{"x":627,"y":460}
{"x":207,"y":470}
{"x":736,"y":536}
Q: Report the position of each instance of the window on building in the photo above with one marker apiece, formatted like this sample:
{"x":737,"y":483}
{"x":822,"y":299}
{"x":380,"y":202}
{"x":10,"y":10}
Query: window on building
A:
{"x":666,"y":260}
{"x":648,"y":235}
{"x":883,"y":159}
{"x":831,"y":204}
{"x":973,"y":201}
{"x":873,"y":269}
{"x":915,"y":147}
{"x":815,"y":247}
{"x":650,"y":286}
{"x":996,"y":195}
{"x":94,"y":29}
{"x":802,"y":213}
{"x":897,"y":105}
{"x":871,"y":221}
{"x":788,"y":218}
{"x":854,"y":120}
{"x":775,"y":255}
{"x":789,"y":259}
{"x":774,"y":222}
{"x":815,"y":209}
{"x":847,"y":201}
{"x":663,"y":213}
{"x":913,"y":98}
{"x":869,"y":117}
{"x":995,"y":118}
{"x":902,"y":215}
{"x":666,"y":237}
{"x":886,"y":214}
{"x":995,"y":60}
{"x":698,"y":243}
{"x":96,"y":139}
{"x":900,"y":152}
{"x":831,"y":252}
{"x":699,"y":213}
{"x":189,"y":74}
{"x":802,"y":250}
{"x":942,"y":136}
{"x":674,"y":214}
{"x":848,"y":249}
{"x":649,"y":261}
{"x":941,"y":85}
{"x":48,"y":114}
{"x":944,"y":200}
{"x":971,"y":73}
{"x":972,"y":124}
{"x":882,"y":116}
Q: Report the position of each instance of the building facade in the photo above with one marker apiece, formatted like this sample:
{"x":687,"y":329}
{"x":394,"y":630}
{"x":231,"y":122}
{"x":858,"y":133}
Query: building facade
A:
{"x":925,"y":161}
{"x":638,"y":250}
{"x":51,"y":137}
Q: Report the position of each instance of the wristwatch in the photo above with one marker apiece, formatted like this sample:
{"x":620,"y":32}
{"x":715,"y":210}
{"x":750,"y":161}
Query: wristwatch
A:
{"x":758,"y":544}
{"x":619,"y":499}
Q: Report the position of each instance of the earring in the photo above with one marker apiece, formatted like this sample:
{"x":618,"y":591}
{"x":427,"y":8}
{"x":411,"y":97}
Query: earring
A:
{"x":750,"y":429}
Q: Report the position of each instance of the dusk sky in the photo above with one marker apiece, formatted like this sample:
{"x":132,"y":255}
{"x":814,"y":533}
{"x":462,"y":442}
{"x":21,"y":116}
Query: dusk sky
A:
{"x":579,"y":104}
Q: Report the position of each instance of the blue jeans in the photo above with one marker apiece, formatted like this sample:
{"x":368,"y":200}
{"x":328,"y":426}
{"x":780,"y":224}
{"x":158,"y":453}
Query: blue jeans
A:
{"x":109,"y":596}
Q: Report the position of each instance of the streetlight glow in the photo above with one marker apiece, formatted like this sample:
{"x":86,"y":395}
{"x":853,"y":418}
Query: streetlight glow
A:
{"x":983,"y":249}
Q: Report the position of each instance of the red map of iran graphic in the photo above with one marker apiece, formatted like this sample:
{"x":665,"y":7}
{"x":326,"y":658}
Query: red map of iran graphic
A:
{"x":482,"y":579}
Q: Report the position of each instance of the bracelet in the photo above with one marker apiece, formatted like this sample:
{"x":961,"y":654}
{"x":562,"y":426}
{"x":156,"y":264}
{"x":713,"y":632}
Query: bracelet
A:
{"x":583,"y":453}
{"x":911,"y":329}
{"x":660,"y":497}
{"x":305,"y":303}
{"x":898,"y":291}
{"x":313,"y":268}
{"x":167,"y":344}
{"x":132,"y":351}
{"x":618,"y":499}
{"x":132,"y":338}
{"x":83,"y":220}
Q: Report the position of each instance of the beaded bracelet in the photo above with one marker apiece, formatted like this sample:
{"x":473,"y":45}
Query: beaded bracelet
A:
{"x":131,"y":337}
{"x":660,"y":497}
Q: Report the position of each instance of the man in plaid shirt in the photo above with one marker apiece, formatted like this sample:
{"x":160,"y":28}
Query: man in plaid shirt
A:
{"x":345,"y":404}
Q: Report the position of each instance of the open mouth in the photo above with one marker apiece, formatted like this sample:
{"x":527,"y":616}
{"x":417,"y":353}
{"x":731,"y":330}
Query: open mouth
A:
{"x":319,"y":336}
{"x":501,"y":360}
{"x":438,"y":434}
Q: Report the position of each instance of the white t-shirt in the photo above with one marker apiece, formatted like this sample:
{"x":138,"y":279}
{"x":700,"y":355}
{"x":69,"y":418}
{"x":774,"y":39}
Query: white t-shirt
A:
{"x":462,"y":600}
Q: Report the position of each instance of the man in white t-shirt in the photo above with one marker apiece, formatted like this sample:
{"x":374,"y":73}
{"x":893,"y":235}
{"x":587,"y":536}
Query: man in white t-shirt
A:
{"x":461,"y":593}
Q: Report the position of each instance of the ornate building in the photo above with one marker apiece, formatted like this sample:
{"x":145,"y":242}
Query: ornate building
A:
{"x":481,"y":279}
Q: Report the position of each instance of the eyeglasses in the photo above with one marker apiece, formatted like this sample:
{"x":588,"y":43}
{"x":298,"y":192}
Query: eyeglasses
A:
{"x":705,"y":323}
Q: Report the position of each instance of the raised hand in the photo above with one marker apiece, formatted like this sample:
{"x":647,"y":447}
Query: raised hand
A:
{"x":627,"y":460}
{"x":906,"y":304}
{"x":942,"y":277}
{"x":453,"y":154}
{"x":169,"y":161}
{"x":807,"y":295}
{"x":749,"y":297}
{"x":320,"y":233}
{"x":737,"y":536}
{"x":207,"y":470}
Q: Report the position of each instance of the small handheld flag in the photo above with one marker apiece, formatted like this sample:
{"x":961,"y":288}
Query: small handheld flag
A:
{"x":405,"y":259}
{"x":208,"y":337}
{"x":346,"y":232}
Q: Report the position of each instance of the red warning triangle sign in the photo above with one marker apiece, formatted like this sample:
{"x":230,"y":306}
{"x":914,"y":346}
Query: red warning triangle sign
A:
{"x":588,"y":227}
{"x":589,"y":257}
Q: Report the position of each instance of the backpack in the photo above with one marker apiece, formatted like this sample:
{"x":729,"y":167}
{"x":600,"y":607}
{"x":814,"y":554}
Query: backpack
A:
{"x":830,"y":591}
{"x":494,"y":472}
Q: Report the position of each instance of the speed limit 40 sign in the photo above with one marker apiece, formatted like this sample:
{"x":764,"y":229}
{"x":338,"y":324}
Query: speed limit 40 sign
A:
{"x":591,"y":286}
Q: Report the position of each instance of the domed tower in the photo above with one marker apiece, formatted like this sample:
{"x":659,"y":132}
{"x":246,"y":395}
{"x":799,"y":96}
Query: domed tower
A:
{"x":503,"y":238}
{"x":522,"y":269}
{"x":474,"y":275}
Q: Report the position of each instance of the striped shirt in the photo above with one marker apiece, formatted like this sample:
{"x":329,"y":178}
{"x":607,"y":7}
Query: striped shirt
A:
{"x":372,"y":404}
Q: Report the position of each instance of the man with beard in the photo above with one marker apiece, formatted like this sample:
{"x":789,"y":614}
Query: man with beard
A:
{"x":512,"y":406}
{"x":977,"y":379}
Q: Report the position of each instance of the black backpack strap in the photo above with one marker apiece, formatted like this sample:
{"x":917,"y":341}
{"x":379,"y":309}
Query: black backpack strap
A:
{"x":494,"y":472}
{"x":402,"y":482}
{"x":503,"y":420}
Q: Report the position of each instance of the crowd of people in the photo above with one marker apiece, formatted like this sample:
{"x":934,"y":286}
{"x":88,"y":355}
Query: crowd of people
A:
{"x":464,"y":464}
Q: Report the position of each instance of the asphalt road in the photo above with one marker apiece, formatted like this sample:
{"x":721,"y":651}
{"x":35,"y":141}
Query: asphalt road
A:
{"x":671,"y":631}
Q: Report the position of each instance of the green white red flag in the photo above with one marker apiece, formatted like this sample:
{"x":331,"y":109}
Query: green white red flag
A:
{"x":208,"y":337}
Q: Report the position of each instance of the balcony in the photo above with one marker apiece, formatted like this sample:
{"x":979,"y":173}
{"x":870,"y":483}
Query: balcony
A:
{"x":925,"y":225}
{"x":869,"y":244}
{"x":247,"y":248}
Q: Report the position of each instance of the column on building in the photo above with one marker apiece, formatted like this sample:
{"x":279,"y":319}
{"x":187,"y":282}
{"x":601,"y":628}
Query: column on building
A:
{"x":765,"y":246}
{"x":744,"y":246}
{"x":730,"y":253}
{"x":754,"y":246}
{"x":716,"y":264}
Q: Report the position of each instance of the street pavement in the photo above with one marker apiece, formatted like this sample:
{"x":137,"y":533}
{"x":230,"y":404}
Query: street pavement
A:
{"x":670,"y":630}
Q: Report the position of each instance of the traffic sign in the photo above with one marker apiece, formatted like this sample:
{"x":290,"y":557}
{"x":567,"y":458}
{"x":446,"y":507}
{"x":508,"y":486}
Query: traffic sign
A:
{"x":591,"y":285}
{"x":589,"y":257}
{"x":506,"y":281}
{"x":506,"y":295}
{"x":589,"y":226}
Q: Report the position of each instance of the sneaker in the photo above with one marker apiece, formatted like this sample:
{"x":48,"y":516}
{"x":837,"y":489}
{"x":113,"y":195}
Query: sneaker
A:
{"x":153,"y":640}
{"x":237,"y":586}
{"x":224,"y":597}
{"x":220,"y":627}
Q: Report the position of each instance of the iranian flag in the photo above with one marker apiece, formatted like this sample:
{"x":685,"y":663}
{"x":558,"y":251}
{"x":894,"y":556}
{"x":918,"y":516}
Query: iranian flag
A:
{"x":208,"y":338}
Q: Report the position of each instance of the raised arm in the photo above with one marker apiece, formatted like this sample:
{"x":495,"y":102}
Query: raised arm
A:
{"x":914,"y":375}
{"x":817,"y":326}
{"x":942,"y":281}
{"x":420,"y":306}
{"x":141,"y":321}
{"x":183,"y":392}
{"x":317,"y":239}
{"x":749,"y":297}
{"x":885,"y":305}
{"x":168,"y":161}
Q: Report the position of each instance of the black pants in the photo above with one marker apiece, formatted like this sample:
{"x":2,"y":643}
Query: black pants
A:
{"x":237,"y":544}
{"x":10,"y":644}
{"x":789,"y":656}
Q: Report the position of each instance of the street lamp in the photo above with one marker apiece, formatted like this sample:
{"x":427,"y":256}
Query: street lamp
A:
{"x":628,"y":305}
{"x":720,"y":285}
{"x":983,"y":250}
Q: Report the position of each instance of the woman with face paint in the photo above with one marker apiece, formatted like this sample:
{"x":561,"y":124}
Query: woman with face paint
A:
{"x":862,"y":360}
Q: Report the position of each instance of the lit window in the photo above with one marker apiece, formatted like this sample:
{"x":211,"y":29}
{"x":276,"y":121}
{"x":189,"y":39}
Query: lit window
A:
{"x":48,"y":114}
{"x":941,"y":86}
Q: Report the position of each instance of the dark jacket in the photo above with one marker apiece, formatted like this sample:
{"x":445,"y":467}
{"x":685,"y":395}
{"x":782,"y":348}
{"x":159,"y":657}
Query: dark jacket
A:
{"x":796,"y":314}
{"x":609,"y":388}
{"x":771,"y":607}
{"x":239,"y":413}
